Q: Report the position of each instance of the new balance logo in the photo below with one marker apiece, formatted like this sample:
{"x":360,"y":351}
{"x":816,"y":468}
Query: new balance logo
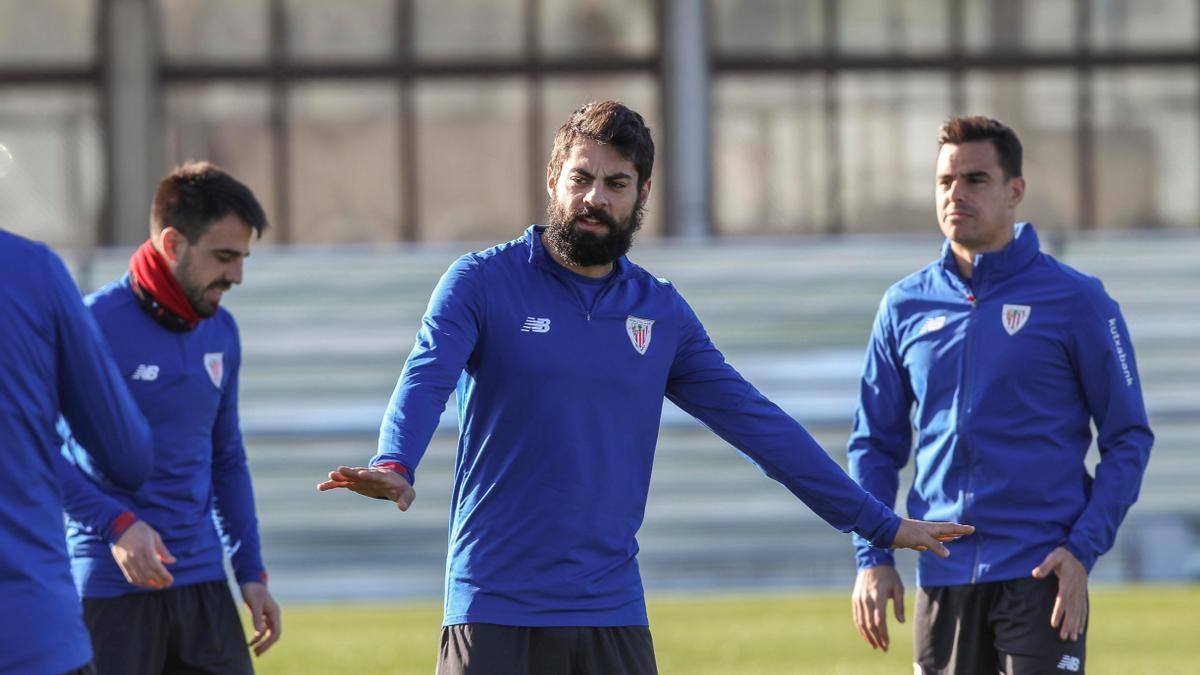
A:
{"x":1068,"y":662}
{"x":536,"y":325}
{"x":932,"y":324}
{"x":145,"y":372}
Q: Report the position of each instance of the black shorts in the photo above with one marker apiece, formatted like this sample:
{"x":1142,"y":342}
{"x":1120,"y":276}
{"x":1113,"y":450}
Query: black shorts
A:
{"x":490,"y":649}
{"x":1000,"y":627}
{"x":192,"y":629}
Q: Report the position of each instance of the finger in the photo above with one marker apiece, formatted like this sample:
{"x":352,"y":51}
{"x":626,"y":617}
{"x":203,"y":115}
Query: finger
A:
{"x":161,"y":551}
{"x":1056,"y":614}
{"x":898,"y":598}
{"x":274,"y":631}
{"x":1049,"y":564}
{"x":405,"y":500}
{"x":939,"y":549}
{"x":879,"y":616}
{"x":860,"y":623}
{"x":333,"y":485}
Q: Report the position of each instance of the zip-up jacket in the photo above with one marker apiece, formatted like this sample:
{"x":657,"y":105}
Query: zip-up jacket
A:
{"x":199,"y":495}
{"x":559,"y":403}
{"x":1001,"y":376}
{"x":54,"y":360}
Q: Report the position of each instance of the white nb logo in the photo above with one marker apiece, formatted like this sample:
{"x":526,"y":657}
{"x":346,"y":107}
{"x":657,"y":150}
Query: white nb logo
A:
{"x":535,"y":325}
{"x":932,"y":324}
{"x":1068,"y":662}
{"x":145,"y":372}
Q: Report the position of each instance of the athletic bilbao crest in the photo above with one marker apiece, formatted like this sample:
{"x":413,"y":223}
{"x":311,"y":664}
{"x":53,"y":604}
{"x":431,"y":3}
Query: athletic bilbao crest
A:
{"x":214,"y":365}
{"x":639,"y":332}
{"x":1015,"y":317}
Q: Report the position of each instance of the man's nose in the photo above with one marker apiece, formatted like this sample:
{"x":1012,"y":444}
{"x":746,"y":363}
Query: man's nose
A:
{"x":234,"y":272}
{"x":597,"y":197}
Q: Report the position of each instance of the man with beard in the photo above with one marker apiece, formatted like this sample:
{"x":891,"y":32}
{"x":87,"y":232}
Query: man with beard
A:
{"x":562,"y":351}
{"x":149,"y":564}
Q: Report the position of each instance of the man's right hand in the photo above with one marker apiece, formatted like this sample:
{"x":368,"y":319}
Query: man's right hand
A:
{"x":140,"y":553}
{"x":378,"y":483}
{"x":873,"y":588}
{"x":924,"y":535}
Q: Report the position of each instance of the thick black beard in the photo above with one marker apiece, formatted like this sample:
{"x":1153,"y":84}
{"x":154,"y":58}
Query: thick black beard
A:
{"x":584,"y":249}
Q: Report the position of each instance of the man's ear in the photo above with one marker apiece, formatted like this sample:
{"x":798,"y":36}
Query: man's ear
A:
{"x":644,"y":193}
{"x":551,"y":180}
{"x":171,"y":243}
{"x":1016,"y":191}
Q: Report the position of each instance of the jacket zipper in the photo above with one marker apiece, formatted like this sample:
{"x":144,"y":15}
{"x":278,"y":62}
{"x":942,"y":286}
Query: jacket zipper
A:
{"x":962,"y":418}
{"x":587,"y":311}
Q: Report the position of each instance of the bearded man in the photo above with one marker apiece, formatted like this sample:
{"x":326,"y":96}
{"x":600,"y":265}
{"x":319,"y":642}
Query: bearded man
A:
{"x":562,"y":351}
{"x":150,"y":564}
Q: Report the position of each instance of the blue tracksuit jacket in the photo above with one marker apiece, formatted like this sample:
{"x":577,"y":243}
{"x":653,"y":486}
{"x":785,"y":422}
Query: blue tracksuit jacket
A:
{"x":1001,"y":376}
{"x":559,"y":408}
{"x":186,"y":384}
{"x":53,"y":359}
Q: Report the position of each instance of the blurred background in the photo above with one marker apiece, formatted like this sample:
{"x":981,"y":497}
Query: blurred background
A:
{"x":793,"y":184}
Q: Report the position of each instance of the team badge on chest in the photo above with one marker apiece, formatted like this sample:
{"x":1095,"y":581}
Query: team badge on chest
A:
{"x":1014,"y":317}
{"x":639,"y":332}
{"x":214,"y":365}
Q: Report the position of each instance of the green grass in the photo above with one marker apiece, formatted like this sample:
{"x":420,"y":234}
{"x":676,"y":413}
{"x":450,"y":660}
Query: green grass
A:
{"x":1134,"y":629}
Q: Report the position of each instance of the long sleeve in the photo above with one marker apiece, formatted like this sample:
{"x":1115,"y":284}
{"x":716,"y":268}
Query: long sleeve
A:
{"x":92,"y":397}
{"x":881,"y":439}
{"x":445,"y":342}
{"x":83,"y":501}
{"x":232,"y":490}
{"x":705,"y":386}
{"x":1103,"y":354}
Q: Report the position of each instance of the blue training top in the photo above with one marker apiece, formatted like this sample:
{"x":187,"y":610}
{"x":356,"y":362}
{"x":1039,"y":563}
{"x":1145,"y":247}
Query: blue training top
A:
{"x":53,"y":360}
{"x":559,"y":407}
{"x":1002,"y":376}
{"x":186,"y":384}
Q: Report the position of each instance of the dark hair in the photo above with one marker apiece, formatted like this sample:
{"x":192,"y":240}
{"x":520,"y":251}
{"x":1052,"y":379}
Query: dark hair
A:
{"x":959,"y":130}
{"x":197,"y":194}
{"x":609,"y":123}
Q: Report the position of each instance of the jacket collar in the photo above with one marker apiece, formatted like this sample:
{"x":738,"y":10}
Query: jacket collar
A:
{"x":1011,"y":259}
{"x":539,"y":257}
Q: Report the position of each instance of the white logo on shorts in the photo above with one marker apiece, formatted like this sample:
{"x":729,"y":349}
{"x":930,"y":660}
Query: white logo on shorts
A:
{"x":1068,"y":662}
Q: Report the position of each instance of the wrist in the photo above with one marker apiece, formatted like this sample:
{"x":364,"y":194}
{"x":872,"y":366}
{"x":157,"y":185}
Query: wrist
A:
{"x":120,"y":525}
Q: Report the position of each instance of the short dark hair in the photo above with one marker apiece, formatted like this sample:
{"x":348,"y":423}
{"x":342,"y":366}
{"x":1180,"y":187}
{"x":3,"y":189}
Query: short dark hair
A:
{"x":959,"y":130}
{"x":197,"y":194}
{"x":609,"y":123}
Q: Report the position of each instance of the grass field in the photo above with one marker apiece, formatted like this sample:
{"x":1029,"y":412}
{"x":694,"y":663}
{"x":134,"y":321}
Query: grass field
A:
{"x":1134,"y":629}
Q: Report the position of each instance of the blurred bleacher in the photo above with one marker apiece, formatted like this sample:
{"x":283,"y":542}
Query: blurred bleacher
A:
{"x":325,"y":332}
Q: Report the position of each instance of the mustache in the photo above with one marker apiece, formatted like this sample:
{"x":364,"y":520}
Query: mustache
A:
{"x":593,"y":213}
{"x":221,"y":285}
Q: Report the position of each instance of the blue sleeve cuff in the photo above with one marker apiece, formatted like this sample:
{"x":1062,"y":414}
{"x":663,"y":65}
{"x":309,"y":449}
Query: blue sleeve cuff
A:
{"x":1088,"y":560}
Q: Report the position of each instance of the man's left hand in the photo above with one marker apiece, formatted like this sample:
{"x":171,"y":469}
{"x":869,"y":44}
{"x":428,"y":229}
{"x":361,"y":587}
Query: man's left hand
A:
{"x":264,"y":612}
{"x":1071,"y":603}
